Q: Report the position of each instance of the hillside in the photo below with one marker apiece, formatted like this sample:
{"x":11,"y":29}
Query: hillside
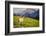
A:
{"x":29,"y":13}
{"x":28,"y":22}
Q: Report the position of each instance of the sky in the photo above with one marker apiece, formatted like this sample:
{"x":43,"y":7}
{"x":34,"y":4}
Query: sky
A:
{"x":21,"y":10}
{"x":18,"y":10}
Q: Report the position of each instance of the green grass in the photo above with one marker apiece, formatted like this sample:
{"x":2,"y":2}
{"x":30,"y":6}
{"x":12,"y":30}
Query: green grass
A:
{"x":28,"y":22}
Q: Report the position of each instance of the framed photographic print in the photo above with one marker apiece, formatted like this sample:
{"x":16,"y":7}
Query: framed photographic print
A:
{"x":24,"y":17}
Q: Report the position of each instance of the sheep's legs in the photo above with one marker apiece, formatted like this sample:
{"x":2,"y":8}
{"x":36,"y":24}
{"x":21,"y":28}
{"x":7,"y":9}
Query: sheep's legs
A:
{"x":20,"y":24}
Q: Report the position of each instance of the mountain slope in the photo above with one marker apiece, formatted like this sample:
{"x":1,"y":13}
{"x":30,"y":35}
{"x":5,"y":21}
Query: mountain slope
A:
{"x":29,"y":13}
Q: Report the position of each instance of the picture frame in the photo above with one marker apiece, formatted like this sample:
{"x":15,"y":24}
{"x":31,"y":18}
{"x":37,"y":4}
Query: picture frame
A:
{"x":17,"y":5}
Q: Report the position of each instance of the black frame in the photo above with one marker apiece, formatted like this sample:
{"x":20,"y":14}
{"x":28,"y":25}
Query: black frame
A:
{"x":7,"y":16}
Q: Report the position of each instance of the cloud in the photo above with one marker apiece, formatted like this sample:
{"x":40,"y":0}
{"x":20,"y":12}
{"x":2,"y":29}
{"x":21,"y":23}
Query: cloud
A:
{"x":18,"y":10}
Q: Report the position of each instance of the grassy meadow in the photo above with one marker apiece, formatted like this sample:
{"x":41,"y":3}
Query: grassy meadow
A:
{"x":28,"y":22}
